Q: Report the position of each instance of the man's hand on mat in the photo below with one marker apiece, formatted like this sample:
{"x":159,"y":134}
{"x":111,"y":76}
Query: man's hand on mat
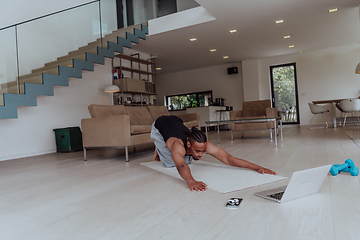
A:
{"x":265,"y":170}
{"x":197,"y":186}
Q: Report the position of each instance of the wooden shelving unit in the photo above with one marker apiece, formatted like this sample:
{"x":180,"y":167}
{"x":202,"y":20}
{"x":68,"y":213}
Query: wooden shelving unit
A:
{"x":142,"y":81}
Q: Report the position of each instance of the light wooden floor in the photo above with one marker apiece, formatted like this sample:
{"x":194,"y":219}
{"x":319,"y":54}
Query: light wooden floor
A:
{"x":59,"y":196}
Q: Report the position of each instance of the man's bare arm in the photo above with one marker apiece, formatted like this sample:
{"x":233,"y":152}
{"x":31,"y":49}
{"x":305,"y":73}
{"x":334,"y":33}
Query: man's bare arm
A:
{"x":178,"y":152}
{"x":226,"y":158}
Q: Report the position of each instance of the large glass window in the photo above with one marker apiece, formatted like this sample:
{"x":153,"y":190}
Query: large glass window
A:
{"x":188,"y":100}
{"x":284,"y":92}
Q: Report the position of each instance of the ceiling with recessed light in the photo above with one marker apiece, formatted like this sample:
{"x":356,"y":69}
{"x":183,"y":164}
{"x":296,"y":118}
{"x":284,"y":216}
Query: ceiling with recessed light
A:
{"x":308,"y":23}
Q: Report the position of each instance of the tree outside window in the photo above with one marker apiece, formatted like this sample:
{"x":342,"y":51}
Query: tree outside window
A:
{"x":188,"y":100}
{"x":284,"y":91}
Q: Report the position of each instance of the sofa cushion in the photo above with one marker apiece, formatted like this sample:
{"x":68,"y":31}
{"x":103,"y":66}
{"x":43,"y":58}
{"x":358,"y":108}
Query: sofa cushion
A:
{"x":157,"y":111}
{"x":255,"y":108}
{"x":191,"y":124}
{"x":140,"y":129}
{"x":139,"y":116}
{"x":106,"y":110}
{"x":141,"y":139}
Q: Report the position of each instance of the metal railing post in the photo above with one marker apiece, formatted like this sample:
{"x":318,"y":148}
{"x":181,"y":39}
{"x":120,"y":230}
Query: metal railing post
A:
{"x":17,"y":60}
{"x":101,"y":41}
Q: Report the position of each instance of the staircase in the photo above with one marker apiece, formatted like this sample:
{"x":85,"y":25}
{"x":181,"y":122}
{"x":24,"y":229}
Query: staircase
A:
{"x":41,"y":81}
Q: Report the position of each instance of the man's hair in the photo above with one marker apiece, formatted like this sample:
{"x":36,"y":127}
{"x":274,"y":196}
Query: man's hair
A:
{"x":197,"y":136}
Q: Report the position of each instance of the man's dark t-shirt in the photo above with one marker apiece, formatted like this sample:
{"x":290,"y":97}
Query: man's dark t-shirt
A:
{"x":172,"y":126}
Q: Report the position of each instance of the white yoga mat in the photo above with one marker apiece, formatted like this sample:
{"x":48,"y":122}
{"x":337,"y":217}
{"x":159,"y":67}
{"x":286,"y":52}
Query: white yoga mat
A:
{"x":220,"y":177}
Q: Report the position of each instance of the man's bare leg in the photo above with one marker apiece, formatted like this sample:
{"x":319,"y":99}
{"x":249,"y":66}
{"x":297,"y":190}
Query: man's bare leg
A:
{"x":156,"y":156}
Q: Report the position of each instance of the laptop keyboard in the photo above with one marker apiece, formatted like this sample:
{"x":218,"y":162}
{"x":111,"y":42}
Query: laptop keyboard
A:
{"x":277,"y":196}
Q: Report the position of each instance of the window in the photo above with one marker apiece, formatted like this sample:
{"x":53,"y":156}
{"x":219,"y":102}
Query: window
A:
{"x":284,"y":92}
{"x":188,"y":100}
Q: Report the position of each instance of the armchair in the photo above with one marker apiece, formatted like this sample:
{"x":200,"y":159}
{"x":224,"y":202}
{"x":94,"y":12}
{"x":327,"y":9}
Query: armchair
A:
{"x":253,"y":109}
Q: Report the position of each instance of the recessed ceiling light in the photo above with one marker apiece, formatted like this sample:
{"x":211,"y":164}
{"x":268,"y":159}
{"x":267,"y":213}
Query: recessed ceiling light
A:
{"x":213,"y":50}
{"x":279,"y":21}
{"x":287,"y":36}
{"x":158,"y":68}
{"x":193,"y":39}
{"x":225,"y":56}
{"x":233,"y":31}
{"x":333,"y":10}
{"x":291,"y":46}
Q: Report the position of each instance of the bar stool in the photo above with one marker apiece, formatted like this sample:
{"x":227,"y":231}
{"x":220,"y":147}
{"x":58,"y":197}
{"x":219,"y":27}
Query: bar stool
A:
{"x":222,"y":116}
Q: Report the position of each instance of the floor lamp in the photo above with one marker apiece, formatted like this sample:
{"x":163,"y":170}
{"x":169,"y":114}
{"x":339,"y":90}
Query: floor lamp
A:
{"x":112,"y":89}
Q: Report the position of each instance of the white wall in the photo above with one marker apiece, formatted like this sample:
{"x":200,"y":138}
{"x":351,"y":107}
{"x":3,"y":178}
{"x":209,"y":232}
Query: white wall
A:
{"x":251,"y":80}
{"x":213,"y":78}
{"x":322,"y":74}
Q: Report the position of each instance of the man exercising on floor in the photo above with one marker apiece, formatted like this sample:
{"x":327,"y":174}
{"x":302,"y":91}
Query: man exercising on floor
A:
{"x":175,"y":145}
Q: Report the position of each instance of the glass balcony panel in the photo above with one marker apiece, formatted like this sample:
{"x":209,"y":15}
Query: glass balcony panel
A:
{"x":8,"y":66}
{"x":44,"y":40}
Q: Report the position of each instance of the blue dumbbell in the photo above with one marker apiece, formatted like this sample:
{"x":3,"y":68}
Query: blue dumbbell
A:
{"x":336,"y":168}
{"x":353,"y":171}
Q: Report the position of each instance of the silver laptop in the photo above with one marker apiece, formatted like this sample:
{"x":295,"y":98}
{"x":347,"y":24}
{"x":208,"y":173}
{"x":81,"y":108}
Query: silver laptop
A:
{"x":302,"y":183}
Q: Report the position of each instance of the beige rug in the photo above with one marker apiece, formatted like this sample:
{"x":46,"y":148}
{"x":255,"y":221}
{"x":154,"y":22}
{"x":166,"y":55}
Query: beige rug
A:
{"x":220,"y":177}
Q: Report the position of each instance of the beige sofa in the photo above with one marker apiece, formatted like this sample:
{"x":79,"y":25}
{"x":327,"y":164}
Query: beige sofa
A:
{"x":121,"y":127}
{"x":253,"y":109}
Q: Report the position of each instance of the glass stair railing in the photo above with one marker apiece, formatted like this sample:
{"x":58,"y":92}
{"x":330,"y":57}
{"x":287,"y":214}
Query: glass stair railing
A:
{"x":29,"y":54}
